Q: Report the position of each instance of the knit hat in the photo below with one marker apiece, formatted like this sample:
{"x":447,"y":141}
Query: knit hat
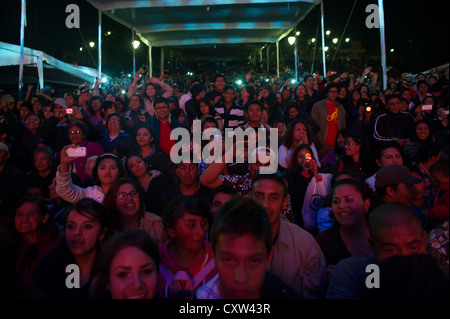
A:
{"x":393,"y":174}
{"x":196,"y":89}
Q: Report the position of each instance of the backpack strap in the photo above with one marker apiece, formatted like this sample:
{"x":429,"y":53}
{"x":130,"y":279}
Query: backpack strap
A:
{"x":201,"y":275}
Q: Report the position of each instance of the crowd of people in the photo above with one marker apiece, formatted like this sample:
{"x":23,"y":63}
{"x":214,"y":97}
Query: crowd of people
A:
{"x":87,"y":179}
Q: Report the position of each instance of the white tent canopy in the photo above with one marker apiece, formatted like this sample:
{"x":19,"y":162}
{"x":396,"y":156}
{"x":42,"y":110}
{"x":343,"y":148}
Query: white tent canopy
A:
{"x":75,"y":75}
{"x":237,"y":25}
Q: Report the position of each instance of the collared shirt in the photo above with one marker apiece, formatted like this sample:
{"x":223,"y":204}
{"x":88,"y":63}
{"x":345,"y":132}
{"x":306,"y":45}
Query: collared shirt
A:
{"x":299,"y":261}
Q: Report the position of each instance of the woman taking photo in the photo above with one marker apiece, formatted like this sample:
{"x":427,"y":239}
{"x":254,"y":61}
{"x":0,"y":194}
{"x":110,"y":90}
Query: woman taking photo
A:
{"x":125,"y":202}
{"x":78,"y":132}
{"x":108,"y":168}
{"x":304,"y":181}
{"x":87,"y":225}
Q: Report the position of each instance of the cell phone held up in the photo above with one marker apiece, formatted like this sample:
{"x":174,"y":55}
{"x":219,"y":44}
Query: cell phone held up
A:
{"x":76,"y":151}
{"x":307,"y":163}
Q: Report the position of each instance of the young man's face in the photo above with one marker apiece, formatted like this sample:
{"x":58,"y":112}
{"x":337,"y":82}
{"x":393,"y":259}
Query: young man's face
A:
{"x":271,"y":195}
{"x":218,"y":201}
{"x":220,"y":84}
{"x":390,"y":156}
{"x":241,"y":262}
{"x":229,"y":95}
{"x":254,"y":113}
{"x":187,"y":173}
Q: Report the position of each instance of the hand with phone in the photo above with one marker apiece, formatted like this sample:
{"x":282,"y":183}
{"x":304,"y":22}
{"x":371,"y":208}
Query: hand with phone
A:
{"x":66,"y":160}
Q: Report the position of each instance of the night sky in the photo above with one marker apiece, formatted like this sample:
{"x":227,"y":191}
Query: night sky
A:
{"x":417,"y":30}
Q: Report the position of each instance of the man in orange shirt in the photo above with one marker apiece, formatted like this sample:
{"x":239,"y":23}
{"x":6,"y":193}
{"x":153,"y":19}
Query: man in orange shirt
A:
{"x":330,"y":116}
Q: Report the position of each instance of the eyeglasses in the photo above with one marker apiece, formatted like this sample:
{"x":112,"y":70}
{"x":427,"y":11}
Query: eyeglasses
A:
{"x":351,"y":144}
{"x":74,"y":132}
{"x":124,"y":195}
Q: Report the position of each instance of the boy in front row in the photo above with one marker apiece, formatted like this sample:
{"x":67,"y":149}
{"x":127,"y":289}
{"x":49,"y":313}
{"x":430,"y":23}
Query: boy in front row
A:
{"x":242,"y":245}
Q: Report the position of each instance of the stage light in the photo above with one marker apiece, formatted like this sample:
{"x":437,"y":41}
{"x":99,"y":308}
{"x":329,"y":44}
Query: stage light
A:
{"x":91,"y":44}
{"x":136,"y":44}
{"x":291,"y":40}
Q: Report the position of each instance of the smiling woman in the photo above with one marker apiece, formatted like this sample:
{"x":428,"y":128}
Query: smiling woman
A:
{"x":125,"y":202}
{"x":349,"y":235}
{"x":87,"y":225}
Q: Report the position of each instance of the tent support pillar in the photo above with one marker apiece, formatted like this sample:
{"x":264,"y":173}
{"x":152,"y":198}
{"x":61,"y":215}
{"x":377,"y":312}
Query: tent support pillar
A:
{"x":162,"y":60}
{"x":278,"y":59}
{"x":150,"y":61}
{"x":22,"y":40}
{"x":99,"y":44}
{"x":134,"y":52}
{"x":323,"y":40}
{"x":383,"y":43}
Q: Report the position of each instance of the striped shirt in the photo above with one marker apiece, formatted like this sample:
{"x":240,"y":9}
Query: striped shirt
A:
{"x":231,"y":117}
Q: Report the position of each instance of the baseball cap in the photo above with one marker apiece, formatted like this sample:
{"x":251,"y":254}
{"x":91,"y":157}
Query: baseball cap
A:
{"x":60,"y":101}
{"x":393,"y":174}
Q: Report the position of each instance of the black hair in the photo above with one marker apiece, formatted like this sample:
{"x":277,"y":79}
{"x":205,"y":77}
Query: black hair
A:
{"x":181,"y":205}
{"x":240,"y":216}
{"x":273,"y":177}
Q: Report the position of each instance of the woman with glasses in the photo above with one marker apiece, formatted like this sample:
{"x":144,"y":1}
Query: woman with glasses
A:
{"x":358,"y":160}
{"x":125,"y":202}
{"x":78,"y":132}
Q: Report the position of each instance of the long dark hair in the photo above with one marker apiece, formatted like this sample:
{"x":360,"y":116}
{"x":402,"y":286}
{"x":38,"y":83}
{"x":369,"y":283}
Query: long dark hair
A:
{"x":109,"y":202}
{"x":288,"y":136}
{"x":122,"y":172}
